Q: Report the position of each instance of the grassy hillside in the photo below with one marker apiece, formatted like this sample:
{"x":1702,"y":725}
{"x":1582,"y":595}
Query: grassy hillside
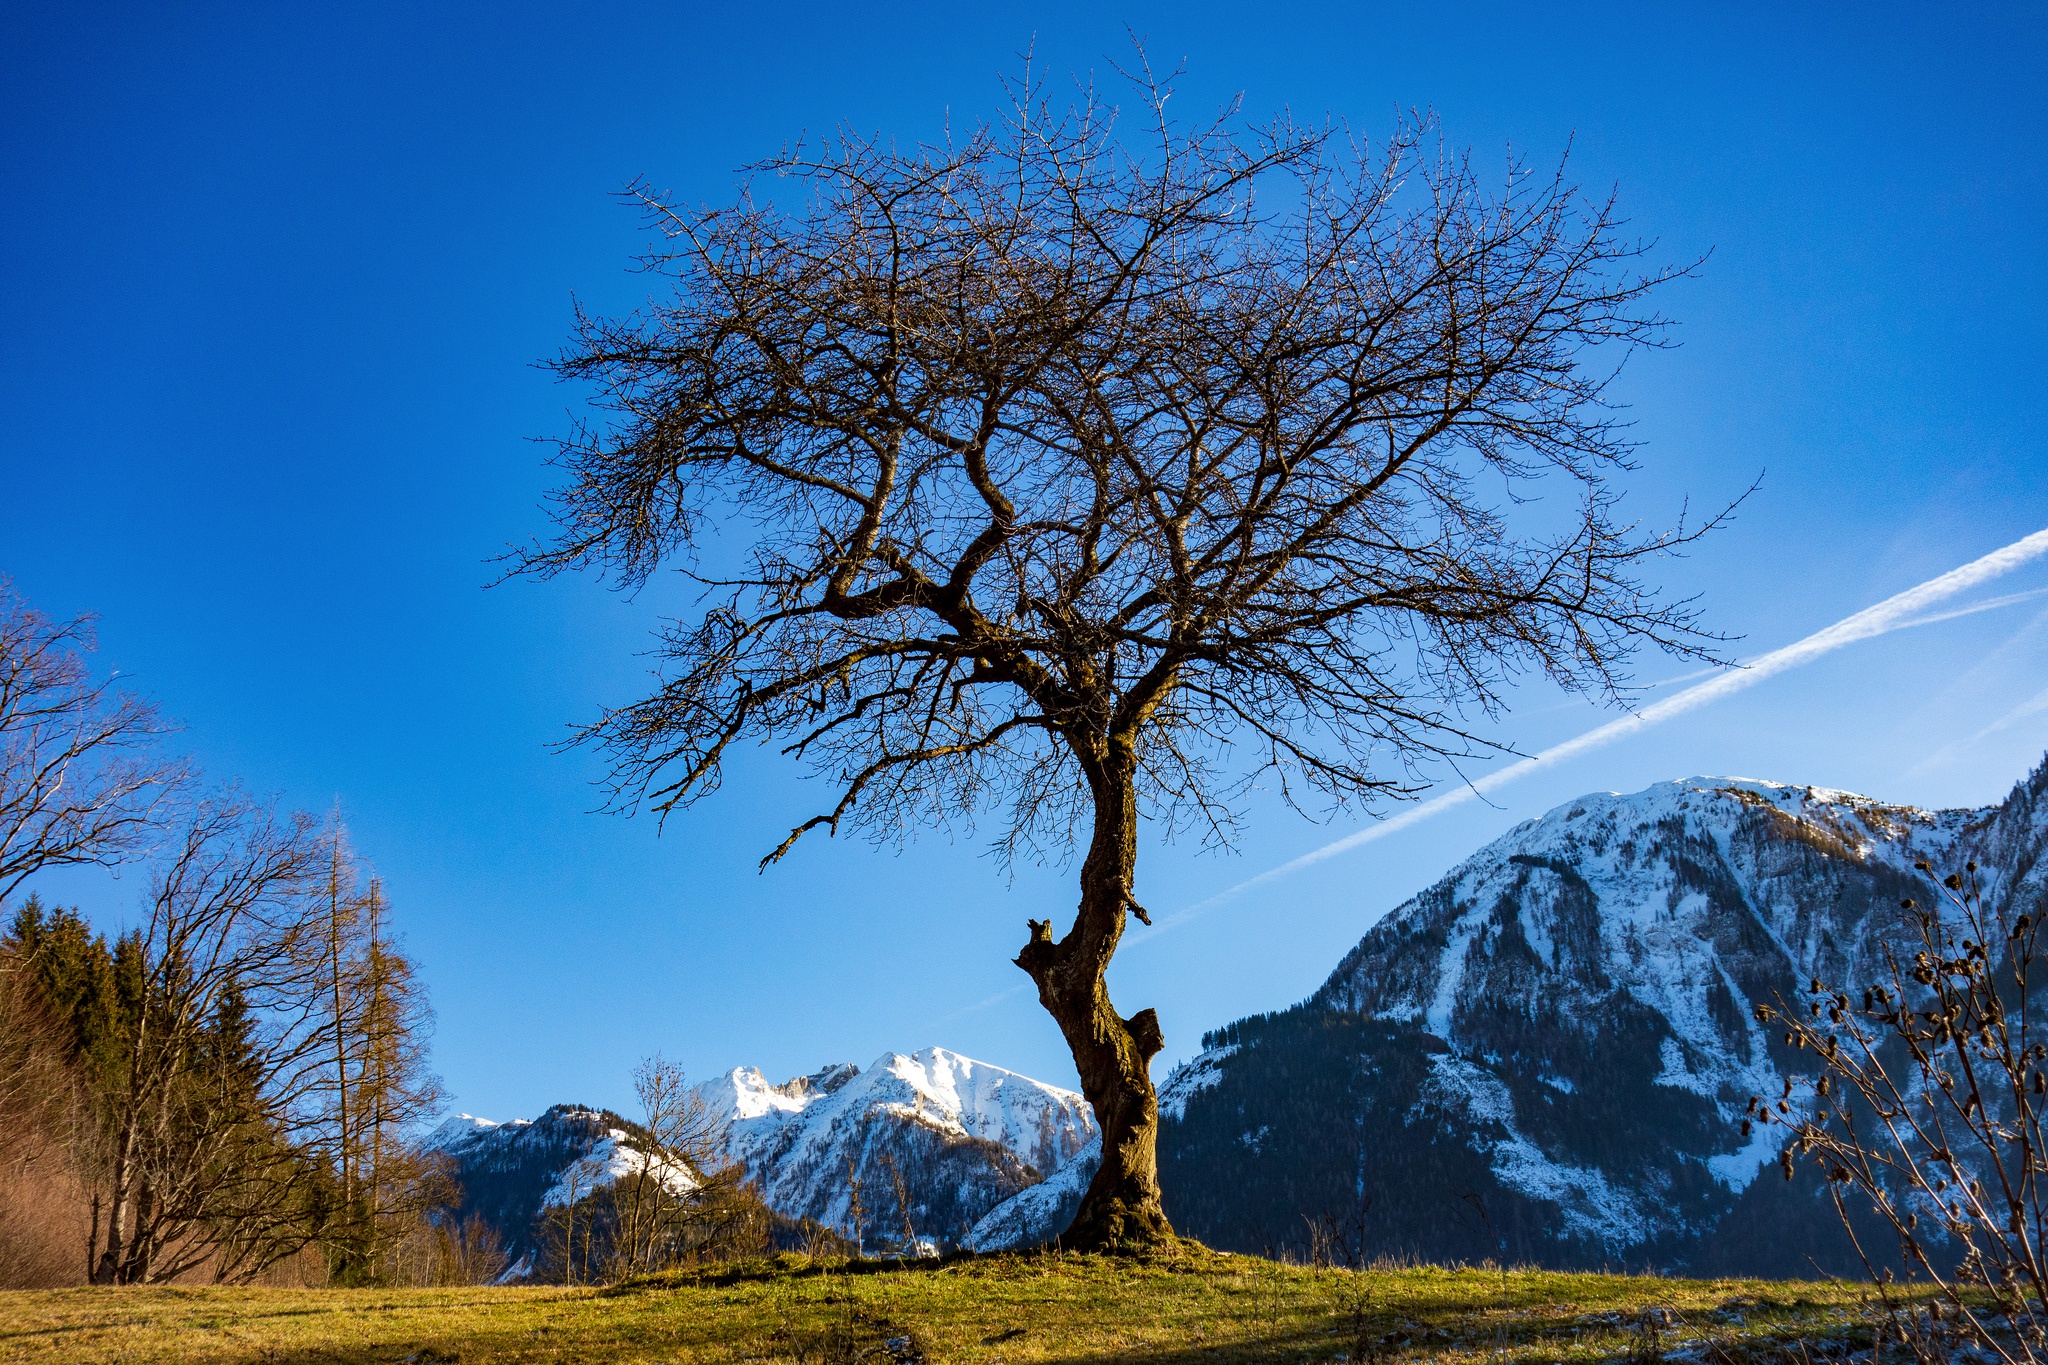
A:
{"x":1197,"y":1307}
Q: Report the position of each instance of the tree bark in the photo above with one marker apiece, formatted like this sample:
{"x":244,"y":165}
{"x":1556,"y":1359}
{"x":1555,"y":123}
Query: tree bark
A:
{"x":115,"y":1256}
{"x":1113,"y":1055}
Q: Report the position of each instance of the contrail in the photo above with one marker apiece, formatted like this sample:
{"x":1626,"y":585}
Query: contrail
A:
{"x":1894,"y":613}
{"x":1988,"y":604}
{"x":2031,"y":706}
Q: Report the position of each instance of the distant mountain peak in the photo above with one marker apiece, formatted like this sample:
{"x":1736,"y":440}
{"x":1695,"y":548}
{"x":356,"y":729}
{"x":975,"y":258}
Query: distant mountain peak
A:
{"x":962,"y":1134}
{"x":459,"y":1130}
{"x":934,"y":1139}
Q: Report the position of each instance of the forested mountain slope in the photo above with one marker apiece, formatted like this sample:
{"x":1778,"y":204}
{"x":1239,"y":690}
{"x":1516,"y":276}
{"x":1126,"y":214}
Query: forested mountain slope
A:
{"x":1546,"y":1055}
{"x":510,"y":1174}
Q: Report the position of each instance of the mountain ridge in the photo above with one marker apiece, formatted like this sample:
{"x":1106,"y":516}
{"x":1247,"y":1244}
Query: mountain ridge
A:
{"x":1564,"y":1020}
{"x":1544,"y":1056}
{"x":934,"y":1139}
{"x":963,"y":1136}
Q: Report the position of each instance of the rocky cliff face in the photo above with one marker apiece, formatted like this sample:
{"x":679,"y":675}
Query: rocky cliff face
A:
{"x":1546,"y":1055}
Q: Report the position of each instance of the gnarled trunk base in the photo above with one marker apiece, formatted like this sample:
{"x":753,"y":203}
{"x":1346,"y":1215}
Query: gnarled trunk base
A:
{"x":1121,"y":1209}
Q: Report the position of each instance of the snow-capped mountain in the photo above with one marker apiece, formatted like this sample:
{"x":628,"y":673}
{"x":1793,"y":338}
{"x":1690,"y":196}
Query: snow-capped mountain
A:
{"x":594,"y":1148}
{"x":510,"y":1174}
{"x":943,"y":1135}
{"x":1547,"y":1055}
{"x":963,"y":1136}
{"x":1544,"y":1057}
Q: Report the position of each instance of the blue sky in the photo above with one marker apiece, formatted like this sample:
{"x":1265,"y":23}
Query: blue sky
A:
{"x":273,"y":280}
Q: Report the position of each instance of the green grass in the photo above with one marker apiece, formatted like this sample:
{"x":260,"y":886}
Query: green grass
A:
{"x":1194,"y":1307}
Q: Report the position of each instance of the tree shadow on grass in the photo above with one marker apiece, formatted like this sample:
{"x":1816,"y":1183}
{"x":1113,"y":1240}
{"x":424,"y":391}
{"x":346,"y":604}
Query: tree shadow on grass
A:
{"x":1710,"y":1336}
{"x":784,"y":1266}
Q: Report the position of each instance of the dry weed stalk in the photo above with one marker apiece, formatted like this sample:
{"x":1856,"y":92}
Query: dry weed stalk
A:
{"x":1928,"y":1102}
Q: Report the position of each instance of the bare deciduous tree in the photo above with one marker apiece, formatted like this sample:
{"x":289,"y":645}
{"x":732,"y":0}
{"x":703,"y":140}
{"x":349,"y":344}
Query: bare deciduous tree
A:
{"x":1927,"y":1105}
{"x":684,"y":1197}
{"x":81,"y":780}
{"x":376,"y":1087}
{"x":195,"y":1104}
{"x":192,"y":1164}
{"x":459,"y":1251}
{"x":1074,"y":478}
{"x":202,"y":1114}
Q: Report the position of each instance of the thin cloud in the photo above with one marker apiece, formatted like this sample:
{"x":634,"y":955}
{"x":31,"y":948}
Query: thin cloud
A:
{"x":2031,"y":706}
{"x":1988,"y":604}
{"x":1998,"y":666}
{"x":985,"y":1002}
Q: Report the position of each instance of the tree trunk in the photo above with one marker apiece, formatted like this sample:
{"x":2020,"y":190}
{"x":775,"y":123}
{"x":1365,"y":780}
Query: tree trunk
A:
{"x":120,"y":1199}
{"x":1112,"y":1054}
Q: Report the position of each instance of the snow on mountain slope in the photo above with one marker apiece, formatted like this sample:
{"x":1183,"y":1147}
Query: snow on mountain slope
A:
{"x":1682,"y":906}
{"x":1547,"y":1054}
{"x":962,"y":1135}
{"x":459,"y":1133}
{"x":1200,"y":1072}
{"x":1038,"y":1212}
{"x":1042,"y":1124}
{"x":613,"y":1158}
{"x":509,"y":1174}
{"x":598,"y":1151}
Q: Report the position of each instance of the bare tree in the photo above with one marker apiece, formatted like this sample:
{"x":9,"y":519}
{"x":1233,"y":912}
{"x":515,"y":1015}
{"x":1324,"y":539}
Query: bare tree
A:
{"x":901,"y":1188}
{"x":856,"y":1213}
{"x":1073,"y":478}
{"x":579,"y":1190}
{"x":81,"y":781}
{"x":682,"y":1199}
{"x":375,"y":1085}
{"x":191,"y":1158}
{"x":249,"y":1029}
{"x":1926,"y":1105}
{"x":468,"y":1251}
{"x":343,"y":922}
{"x":395,"y":1089}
